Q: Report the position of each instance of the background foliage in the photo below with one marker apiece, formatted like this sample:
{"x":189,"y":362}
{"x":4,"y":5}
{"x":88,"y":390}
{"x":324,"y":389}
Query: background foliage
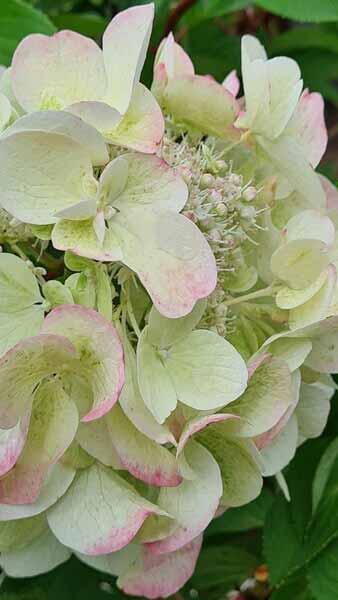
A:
{"x":271,"y":548}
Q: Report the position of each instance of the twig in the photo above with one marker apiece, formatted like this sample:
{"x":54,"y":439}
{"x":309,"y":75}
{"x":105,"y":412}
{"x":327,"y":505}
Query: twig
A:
{"x":176,"y":14}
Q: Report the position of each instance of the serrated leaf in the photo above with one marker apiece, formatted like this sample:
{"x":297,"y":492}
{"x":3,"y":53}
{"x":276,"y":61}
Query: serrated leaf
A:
{"x":298,"y":10}
{"x":226,"y":566}
{"x":18,"y":19}
{"x":323,"y":574}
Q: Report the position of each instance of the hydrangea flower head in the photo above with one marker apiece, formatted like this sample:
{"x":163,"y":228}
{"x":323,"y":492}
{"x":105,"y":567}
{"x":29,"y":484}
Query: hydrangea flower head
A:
{"x":177,"y":343}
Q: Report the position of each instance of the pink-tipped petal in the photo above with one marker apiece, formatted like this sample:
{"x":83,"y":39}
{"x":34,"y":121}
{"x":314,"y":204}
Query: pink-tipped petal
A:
{"x":170,"y":255}
{"x":193,"y":503}
{"x":142,"y":126}
{"x":64,"y":68}
{"x":12,"y":442}
{"x":198,"y":424}
{"x":161,"y":576}
{"x":100,"y":350}
{"x":125,"y":43}
{"x":308,"y":126}
{"x":232,"y":83}
{"x":142,"y":457}
{"x":100,"y":513}
{"x":52,"y":428}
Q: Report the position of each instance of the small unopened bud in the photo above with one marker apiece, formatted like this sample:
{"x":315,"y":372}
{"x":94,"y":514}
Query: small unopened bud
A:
{"x":230,"y":242}
{"x":249,"y":193}
{"x":190,"y":215}
{"x":109,"y":212}
{"x":235,"y":179}
{"x":207,"y":181}
{"x":186,"y":174}
{"x":40,"y":271}
{"x":215,"y":197}
{"x":215,"y":235}
{"x":221,"y":209}
{"x":221,"y":165}
{"x":221,"y":310}
{"x":247,"y":212}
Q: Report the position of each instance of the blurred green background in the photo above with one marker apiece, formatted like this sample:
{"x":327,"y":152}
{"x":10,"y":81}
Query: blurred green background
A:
{"x":297,"y":540}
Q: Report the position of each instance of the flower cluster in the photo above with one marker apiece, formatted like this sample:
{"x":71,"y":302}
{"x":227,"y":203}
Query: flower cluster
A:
{"x":168,"y":298}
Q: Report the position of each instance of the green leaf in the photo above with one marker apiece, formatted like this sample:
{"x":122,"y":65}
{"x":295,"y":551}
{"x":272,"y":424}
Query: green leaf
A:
{"x":296,"y":588}
{"x":323,"y":574}
{"x":324,"y":525}
{"x":90,"y":24}
{"x":72,"y":581}
{"x":18,"y":19}
{"x":281,"y":543}
{"x":212,"y":51}
{"x":243,"y":518}
{"x":223,"y":565}
{"x":300,"y":38}
{"x":204,"y":9}
{"x":323,"y":472}
{"x":298,"y":10}
{"x":286,"y":523}
{"x":319,"y":71}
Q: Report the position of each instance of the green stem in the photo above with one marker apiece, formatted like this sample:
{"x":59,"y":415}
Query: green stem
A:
{"x":258,"y":294}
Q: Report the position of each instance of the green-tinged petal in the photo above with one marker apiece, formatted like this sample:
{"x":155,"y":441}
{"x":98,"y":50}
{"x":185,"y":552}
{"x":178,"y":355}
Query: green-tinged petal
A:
{"x":199,"y":423}
{"x":41,"y":556}
{"x":241,"y":477}
{"x":169,"y":254}
{"x":125,"y":43}
{"x":212,"y":111}
{"x":310,"y":224}
{"x":287,"y":158}
{"x":142,"y":126}
{"x":82,"y":289}
{"x":164,"y":332}
{"x":55,"y":121}
{"x":289,"y":298}
{"x":267,"y":397}
{"x":155,"y":383}
{"x":300,"y":262}
{"x":100,"y":513}
{"x":12,"y":442}
{"x":318,"y":307}
{"x":149,"y":182}
{"x":52,"y":428}
{"x":115,"y":563}
{"x":313,"y":409}
{"x":278,"y":453}
{"x":6,"y":111}
{"x":57,"y":293}
{"x":64,"y":68}
{"x":133,"y":404}
{"x":95,"y":439}
{"x":19,"y":325}
{"x":15,"y":535}
{"x":23,"y":367}
{"x":193,"y":503}
{"x":35,"y":184}
{"x":207,"y":372}
{"x":100,"y":352}
{"x":56,"y":484}
{"x":292,"y":351}
{"x":142,"y":457}
{"x":160,"y":576}
{"x":80,"y":238}
{"x":18,"y":286}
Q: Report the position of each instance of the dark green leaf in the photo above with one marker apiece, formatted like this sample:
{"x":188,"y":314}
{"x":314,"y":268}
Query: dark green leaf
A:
{"x":323,"y":472}
{"x":324,"y":525}
{"x":18,"y":19}
{"x":88,"y":24}
{"x":71,"y":581}
{"x":212,"y":51}
{"x":202,"y":10}
{"x":300,"y":38}
{"x":227,"y":566}
{"x":323,"y":574}
{"x":243,"y":518}
{"x":303,"y":10}
{"x":296,"y":588}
